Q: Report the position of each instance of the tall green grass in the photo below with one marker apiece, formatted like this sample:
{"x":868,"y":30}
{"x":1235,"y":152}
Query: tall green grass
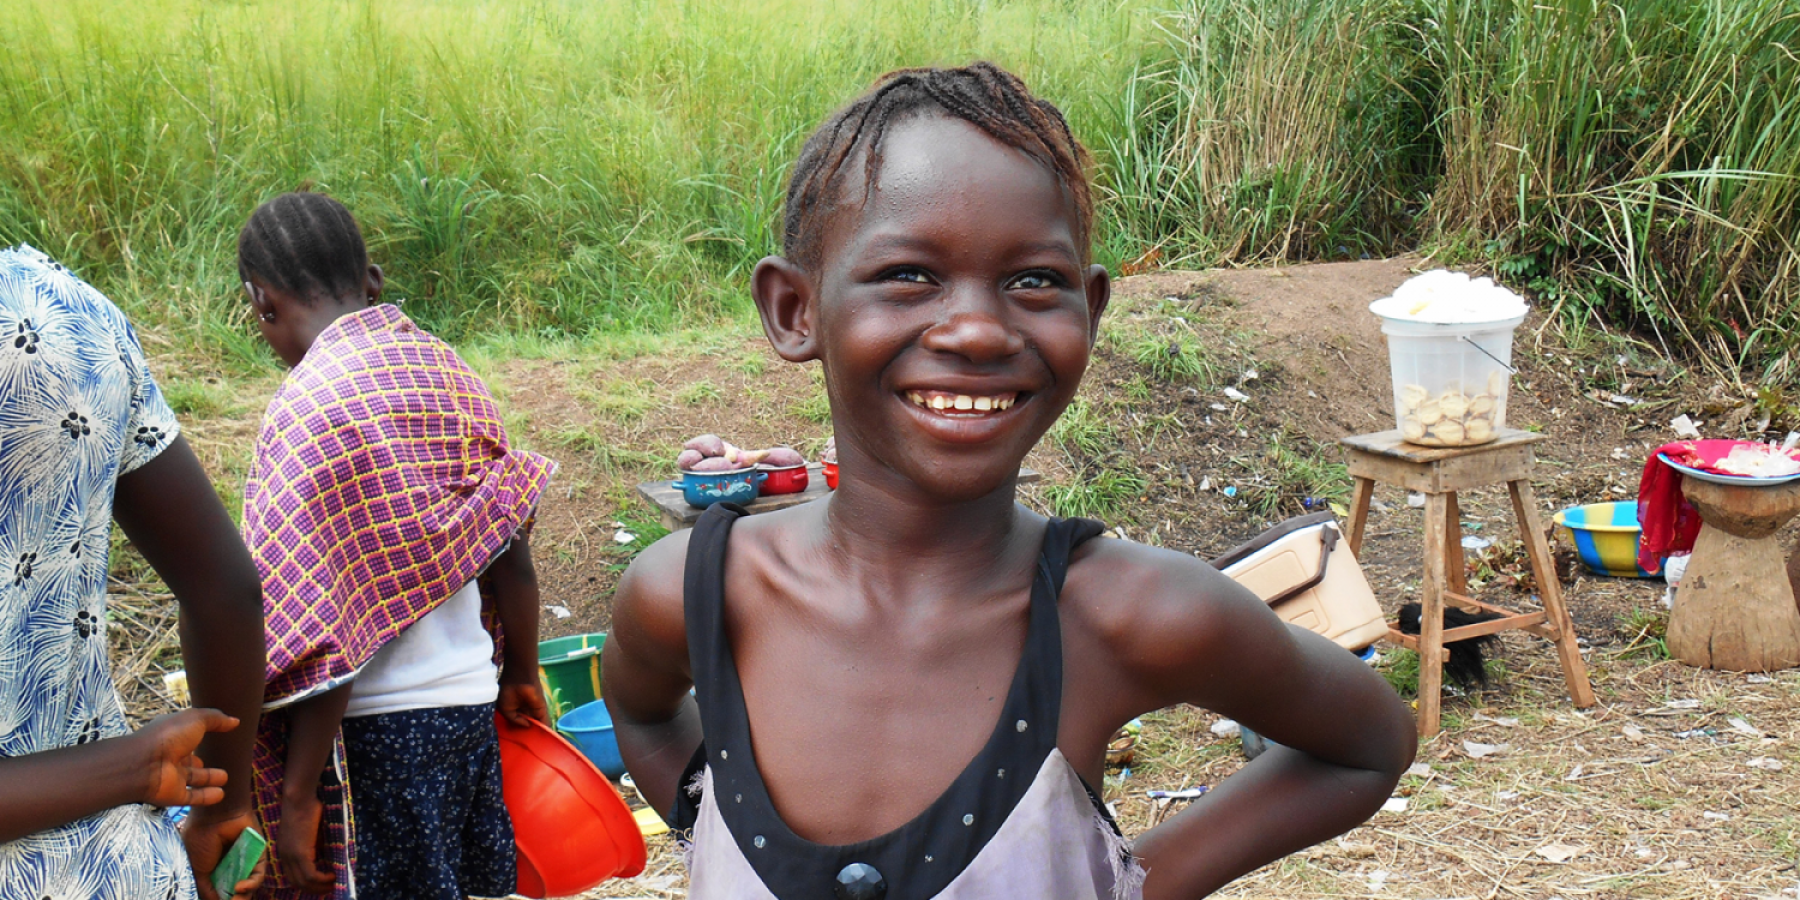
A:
{"x":1634,"y":159}
{"x":555,"y":168}
{"x":1272,"y":130}
{"x":544,"y":166}
{"x":1634,"y":162}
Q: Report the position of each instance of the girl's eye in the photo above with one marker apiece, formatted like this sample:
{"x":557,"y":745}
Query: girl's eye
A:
{"x":1036,"y":281}
{"x":907,"y":274}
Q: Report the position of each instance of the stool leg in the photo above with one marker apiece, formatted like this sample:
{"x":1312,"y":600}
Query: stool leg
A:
{"x":1360,"y":495}
{"x":1456,"y":575}
{"x":1431,"y":615}
{"x":1550,"y":590}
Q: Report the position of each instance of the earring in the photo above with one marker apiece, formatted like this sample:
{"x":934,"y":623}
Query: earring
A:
{"x":268,"y":317}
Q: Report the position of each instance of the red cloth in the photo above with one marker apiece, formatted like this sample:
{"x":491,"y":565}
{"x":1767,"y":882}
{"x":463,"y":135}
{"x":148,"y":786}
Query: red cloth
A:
{"x":1667,"y":521}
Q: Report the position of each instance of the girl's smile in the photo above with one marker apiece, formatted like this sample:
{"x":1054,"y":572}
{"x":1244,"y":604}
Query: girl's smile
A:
{"x":964,"y":418}
{"x":961,"y":405}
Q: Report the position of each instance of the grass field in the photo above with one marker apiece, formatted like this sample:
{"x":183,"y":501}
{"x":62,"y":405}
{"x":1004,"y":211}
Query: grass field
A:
{"x":529,"y":167}
{"x":550,"y":169}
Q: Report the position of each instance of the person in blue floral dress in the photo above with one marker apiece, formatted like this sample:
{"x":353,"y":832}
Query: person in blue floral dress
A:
{"x":86,"y":439}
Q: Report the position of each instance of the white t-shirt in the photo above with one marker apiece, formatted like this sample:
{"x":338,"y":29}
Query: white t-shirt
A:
{"x":445,"y":659}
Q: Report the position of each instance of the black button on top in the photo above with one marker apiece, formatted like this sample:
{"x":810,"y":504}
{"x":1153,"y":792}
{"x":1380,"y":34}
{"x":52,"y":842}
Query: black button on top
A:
{"x":860,"y":881}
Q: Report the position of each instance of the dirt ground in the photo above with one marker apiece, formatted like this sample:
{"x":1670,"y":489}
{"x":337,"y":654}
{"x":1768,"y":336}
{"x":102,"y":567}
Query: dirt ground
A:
{"x":1680,"y":783}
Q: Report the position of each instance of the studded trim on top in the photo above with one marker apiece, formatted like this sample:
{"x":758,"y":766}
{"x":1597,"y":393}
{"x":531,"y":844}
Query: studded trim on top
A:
{"x":918,"y":859}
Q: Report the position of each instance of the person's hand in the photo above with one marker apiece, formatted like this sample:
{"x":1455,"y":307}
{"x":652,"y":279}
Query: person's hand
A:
{"x":521,"y":701}
{"x":297,"y":845}
{"x":208,"y":834}
{"x":173,"y":775}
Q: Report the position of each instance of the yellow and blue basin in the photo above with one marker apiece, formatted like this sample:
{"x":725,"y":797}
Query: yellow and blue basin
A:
{"x":1605,"y":536}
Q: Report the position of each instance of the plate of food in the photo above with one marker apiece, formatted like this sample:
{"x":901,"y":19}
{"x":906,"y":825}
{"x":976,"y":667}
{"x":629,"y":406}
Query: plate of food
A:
{"x":1747,"y":480}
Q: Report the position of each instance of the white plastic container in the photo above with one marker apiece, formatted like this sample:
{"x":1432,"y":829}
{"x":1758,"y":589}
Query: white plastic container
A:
{"x":1451,"y":380}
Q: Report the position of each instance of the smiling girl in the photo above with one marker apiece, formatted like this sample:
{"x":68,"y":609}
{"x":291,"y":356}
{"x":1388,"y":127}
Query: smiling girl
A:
{"x":907,"y":690}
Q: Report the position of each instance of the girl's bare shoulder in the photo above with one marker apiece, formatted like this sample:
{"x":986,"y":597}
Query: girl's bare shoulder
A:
{"x":650,"y":595}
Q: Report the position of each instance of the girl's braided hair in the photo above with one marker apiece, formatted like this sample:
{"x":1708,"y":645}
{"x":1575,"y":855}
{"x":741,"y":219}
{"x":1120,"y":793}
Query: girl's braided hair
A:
{"x":304,"y":244}
{"x":982,"y":94}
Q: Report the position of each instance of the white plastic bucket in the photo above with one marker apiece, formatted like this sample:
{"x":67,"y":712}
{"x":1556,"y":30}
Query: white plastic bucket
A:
{"x":1450,"y":380}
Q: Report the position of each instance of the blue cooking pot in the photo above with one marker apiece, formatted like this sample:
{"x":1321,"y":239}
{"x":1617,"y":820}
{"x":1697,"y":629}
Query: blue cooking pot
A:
{"x":706,"y":488}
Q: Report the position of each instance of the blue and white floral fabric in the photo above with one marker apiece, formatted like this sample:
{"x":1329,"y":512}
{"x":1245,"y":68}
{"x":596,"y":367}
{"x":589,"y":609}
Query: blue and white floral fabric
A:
{"x":78,"y":409}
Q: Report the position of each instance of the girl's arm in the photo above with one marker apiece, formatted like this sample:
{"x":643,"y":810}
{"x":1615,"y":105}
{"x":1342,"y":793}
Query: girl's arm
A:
{"x":646,"y":673}
{"x":1357,"y":737}
{"x":168,"y":509}
{"x":1194,"y":636}
{"x":312,"y":731}
{"x":155,"y":764}
{"x":516,"y":601}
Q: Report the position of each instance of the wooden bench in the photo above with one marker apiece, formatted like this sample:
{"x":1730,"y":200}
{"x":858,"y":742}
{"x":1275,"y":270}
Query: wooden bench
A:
{"x":676,"y":514}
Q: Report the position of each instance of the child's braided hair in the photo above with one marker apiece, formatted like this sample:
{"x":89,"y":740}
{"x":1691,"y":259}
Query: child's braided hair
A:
{"x":982,"y":94}
{"x":304,"y":244}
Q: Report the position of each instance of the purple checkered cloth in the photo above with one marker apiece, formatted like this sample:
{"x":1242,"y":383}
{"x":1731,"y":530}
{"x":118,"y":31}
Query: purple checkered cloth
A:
{"x":383,"y":482}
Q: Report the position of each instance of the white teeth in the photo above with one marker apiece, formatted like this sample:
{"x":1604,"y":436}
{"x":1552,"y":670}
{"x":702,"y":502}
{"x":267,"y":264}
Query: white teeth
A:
{"x":961,"y":402}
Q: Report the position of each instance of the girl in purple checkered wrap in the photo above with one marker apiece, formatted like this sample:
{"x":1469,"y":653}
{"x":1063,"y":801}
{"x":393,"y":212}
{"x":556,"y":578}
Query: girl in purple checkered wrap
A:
{"x":383,"y":490}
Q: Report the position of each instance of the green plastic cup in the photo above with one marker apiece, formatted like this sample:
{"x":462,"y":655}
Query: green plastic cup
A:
{"x":569,"y":669}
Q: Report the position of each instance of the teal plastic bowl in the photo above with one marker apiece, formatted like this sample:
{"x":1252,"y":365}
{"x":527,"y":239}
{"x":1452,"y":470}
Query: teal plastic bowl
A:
{"x":1605,"y":536}
{"x":590,"y":728}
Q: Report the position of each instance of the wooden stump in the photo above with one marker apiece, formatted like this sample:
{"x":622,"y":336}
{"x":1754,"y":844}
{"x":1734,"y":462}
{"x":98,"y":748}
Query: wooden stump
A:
{"x":1736,"y":609}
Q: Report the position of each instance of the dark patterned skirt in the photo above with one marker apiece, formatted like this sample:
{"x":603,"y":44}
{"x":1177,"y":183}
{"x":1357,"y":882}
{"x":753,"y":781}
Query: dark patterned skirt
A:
{"x":431,"y":822}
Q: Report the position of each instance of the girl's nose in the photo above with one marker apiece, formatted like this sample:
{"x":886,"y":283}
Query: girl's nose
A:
{"x":975,"y":329}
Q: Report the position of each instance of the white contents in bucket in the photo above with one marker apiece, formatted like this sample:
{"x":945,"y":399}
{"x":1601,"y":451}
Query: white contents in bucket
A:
{"x":1450,"y":298}
{"x":1450,"y":341}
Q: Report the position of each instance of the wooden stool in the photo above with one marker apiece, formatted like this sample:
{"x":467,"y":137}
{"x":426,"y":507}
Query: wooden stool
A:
{"x":1438,"y":473}
{"x":1735,"y":608}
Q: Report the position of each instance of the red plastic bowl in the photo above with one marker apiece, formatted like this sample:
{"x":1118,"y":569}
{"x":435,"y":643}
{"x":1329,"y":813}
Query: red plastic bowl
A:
{"x":572,"y":828}
{"x":830,"y":474}
{"x":785,"y":479}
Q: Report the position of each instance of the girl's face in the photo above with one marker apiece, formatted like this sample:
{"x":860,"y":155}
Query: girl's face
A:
{"x":953,"y":314}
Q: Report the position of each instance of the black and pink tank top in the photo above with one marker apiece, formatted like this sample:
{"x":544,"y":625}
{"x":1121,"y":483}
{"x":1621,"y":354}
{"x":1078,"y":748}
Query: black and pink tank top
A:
{"x":1018,"y":821}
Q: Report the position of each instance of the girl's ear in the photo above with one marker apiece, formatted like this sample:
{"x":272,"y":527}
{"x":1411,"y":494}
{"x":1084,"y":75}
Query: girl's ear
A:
{"x":1099,"y":293}
{"x":374,"y":282}
{"x":785,"y":299}
{"x":260,"y":303}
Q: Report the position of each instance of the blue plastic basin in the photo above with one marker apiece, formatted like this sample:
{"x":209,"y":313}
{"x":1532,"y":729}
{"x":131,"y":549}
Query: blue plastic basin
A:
{"x":590,"y":728}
